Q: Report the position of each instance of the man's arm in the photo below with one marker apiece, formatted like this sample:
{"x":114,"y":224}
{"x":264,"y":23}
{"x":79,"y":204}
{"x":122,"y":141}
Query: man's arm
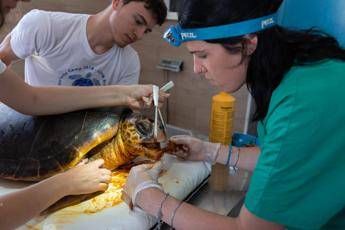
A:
{"x":27,"y":99}
{"x":6,"y":53}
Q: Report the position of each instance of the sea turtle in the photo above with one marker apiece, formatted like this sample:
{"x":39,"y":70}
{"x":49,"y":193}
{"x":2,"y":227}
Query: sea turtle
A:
{"x":34,"y":148}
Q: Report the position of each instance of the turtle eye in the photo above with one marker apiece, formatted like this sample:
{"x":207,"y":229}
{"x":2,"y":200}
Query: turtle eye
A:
{"x":145,"y":128}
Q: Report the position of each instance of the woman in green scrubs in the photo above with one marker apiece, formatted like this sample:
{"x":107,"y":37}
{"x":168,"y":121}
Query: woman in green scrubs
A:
{"x":297,"y":80}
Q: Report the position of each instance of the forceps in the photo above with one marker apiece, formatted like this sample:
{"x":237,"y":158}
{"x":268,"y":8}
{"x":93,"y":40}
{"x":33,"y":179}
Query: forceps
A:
{"x":155,"y":94}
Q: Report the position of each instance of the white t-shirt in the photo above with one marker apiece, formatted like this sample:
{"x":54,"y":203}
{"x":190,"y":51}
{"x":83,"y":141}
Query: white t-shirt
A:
{"x":57,"y":52}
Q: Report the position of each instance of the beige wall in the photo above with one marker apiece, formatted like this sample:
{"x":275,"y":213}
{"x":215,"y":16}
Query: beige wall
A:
{"x":190,"y":101}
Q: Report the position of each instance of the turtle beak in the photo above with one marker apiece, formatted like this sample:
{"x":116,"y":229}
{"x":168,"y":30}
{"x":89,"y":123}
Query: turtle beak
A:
{"x":161,"y":138}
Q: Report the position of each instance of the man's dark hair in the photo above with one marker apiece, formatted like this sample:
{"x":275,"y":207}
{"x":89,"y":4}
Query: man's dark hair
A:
{"x":277,"y":51}
{"x":157,"y":7}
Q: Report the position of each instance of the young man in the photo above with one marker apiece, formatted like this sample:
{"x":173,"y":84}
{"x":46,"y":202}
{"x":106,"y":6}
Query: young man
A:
{"x":83,"y":50}
{"x":18,"y":207}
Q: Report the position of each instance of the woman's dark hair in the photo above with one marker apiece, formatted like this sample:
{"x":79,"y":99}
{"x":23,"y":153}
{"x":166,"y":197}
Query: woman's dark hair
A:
{"x":157,"y":7}
{"x":2,"y":16}
{"x":277,"y":51}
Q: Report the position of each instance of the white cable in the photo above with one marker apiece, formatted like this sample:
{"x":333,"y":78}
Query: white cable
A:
{"x":247,"y":117}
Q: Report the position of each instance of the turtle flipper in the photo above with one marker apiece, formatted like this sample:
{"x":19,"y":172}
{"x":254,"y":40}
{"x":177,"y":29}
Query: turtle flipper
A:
{"x":69,"y":201}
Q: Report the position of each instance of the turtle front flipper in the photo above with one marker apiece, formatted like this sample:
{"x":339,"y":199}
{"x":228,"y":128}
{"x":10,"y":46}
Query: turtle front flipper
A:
{"x":69,"y":201}
{"x":114,"y":153}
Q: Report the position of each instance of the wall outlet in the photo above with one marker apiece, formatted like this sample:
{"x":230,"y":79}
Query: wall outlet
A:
{"x":171,"y":65}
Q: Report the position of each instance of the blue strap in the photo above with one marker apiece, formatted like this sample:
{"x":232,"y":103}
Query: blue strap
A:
{"x":231,"y":30}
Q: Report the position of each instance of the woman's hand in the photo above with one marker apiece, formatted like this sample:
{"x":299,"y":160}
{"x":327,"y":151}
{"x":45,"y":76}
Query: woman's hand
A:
{"x":190,"y":148}
{"x":140,"y":97}
{"x":141,"y":177}
{"x":86,"y":178}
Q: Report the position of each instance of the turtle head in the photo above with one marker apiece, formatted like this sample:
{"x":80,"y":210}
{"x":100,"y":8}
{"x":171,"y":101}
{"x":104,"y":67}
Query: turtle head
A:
{"x":138,"y":137}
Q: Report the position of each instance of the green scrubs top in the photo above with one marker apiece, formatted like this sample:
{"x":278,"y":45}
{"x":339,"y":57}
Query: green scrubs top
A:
{"x":299,"y":179}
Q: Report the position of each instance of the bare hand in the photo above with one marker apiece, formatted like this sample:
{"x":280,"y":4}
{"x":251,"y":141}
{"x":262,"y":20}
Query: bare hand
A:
{"x":140,"y":97}
{"x":87,"y":178}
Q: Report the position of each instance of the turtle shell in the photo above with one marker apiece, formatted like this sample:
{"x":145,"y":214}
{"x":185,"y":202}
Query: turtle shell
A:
{"x":36,"y":147}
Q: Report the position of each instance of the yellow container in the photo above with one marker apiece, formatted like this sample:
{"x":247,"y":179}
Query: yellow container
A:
{"x":221,"y":128}
{"x":222,"y":116}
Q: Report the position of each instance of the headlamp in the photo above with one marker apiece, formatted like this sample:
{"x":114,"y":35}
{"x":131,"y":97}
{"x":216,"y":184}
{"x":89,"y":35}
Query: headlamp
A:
{"x":326,"y":16}
{"x":175,"y":35}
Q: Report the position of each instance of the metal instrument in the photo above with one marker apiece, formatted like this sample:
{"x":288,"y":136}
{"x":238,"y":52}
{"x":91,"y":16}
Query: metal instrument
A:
{"x":155,"y":95}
